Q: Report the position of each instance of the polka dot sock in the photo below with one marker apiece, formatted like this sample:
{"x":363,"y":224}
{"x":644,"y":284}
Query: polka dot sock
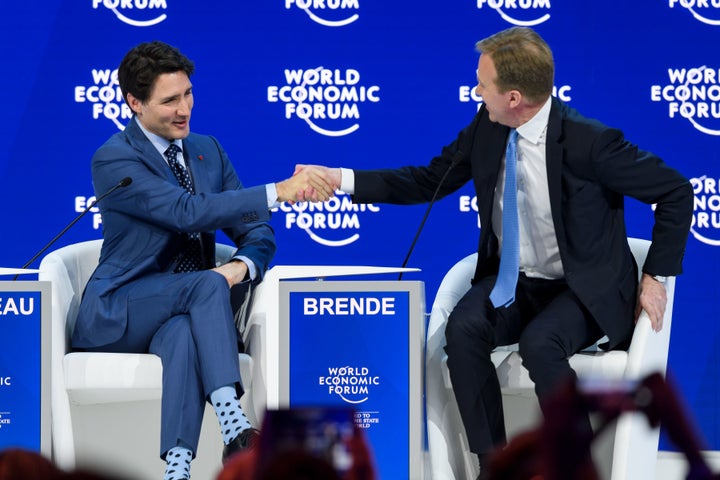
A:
{"x":178,"y":464}
{"x":227,"y":408}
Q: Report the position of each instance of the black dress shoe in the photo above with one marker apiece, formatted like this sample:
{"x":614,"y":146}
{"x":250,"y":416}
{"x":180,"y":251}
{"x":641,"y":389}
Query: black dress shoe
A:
{"x":248,"y":439}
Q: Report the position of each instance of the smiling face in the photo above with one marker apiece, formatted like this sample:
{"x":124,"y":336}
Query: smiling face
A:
{"x":166,"y":112}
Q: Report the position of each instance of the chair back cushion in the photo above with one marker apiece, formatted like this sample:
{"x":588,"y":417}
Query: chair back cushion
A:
{"x":68,"y":269}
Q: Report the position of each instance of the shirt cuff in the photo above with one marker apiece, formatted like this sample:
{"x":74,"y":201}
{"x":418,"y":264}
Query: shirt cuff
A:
{"x":252,"y":269}
{"x":347,"y":181}
{"x":272,"y":196}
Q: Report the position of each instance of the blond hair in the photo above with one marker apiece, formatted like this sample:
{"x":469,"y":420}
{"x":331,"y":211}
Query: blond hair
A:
{"x":523,"y":62}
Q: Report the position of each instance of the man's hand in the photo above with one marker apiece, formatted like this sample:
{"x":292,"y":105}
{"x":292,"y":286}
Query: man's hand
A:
{"x":652,"y":298}
{"x":333,"y":174}
{"x":313,"y":184}
{"x":234,"y":271}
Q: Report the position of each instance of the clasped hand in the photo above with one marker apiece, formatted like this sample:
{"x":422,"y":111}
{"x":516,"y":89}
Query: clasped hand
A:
{"x":235,"y":271}
{"x":309,"y":183}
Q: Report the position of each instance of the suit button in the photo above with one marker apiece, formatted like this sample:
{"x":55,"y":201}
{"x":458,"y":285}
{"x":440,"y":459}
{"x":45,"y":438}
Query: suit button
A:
{"x":250,"y":217}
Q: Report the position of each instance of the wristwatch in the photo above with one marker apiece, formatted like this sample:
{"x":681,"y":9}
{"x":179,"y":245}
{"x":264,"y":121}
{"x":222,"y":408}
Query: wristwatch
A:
{"x":659,"y":278}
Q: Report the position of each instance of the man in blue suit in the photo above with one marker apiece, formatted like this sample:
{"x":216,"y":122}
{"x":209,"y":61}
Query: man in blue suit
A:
{"x":572,"y":278}
{"x":157,"y":288}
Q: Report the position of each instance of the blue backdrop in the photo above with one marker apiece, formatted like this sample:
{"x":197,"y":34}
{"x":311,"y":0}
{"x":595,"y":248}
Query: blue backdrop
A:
{"x":390,"y":82}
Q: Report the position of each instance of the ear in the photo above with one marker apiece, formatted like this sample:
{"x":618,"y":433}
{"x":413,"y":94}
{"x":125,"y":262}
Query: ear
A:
{"x":134,"y":103}
{"x":515,"y":97}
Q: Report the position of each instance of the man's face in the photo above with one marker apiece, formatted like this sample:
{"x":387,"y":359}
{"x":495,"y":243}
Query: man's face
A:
{"x":166,"y":112}
{"x":497,"y":103}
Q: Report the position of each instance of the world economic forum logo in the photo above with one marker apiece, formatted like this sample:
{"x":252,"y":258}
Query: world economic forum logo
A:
{"x":692,"y":94}
{"x":138,"y":13}
{"x":328,"y":100}
{"x":104,"y":94}
{"x":706,"y":214}
{"x":705,"y":11}
{"x":330,"y":13}
{"x":334,"y":223}
{"x":351,"y":384}
{"x":523,"y":13}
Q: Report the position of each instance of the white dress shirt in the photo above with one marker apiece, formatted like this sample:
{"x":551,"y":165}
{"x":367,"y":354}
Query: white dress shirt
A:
{"x":539,"y":251}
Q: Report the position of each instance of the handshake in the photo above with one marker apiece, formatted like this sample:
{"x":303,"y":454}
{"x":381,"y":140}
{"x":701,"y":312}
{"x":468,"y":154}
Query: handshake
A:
{"x":309,"y":183}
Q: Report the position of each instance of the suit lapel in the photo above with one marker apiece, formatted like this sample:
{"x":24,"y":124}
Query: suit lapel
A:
{"x":195,"y":160}
{"x":148,"y":153}
{"x":488,"y":165}
{"x":198,"y":166}
{"x":554,"y":160}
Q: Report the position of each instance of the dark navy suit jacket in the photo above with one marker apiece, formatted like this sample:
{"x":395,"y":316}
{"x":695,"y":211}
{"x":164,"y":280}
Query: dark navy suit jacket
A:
{"x":144,"y":223}
{"x":590,"y":169}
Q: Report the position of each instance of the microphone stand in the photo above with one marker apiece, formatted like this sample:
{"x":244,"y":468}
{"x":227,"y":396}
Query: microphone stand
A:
{"x":455,"y":160}
{"x":123,"y":183}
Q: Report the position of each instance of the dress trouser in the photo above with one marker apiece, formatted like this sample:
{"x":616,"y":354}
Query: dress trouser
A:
{"x":547,"y":321}
{"x":186,"y":320}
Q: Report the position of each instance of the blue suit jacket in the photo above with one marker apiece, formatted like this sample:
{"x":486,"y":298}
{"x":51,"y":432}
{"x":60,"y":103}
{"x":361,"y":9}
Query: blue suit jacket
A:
{"x":143,"y":223}
{"x":590,"y":169}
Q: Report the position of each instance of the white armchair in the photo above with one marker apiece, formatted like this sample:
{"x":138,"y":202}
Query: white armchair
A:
{"x":89,"y":381}
{"x":634,"y":449}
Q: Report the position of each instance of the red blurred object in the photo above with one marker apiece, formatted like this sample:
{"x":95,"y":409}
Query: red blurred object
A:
{"x":18,"y":464}
{"x":305,"y":444}
{"x":559,"y":450}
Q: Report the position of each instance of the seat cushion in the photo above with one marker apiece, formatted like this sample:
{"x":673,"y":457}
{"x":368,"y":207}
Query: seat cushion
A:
{"x":514,"y":378}
{"x":95,"y":377}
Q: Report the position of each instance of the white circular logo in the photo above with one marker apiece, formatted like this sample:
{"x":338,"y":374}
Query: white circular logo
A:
{"x":706,"y":11}
{"x":351,"y":384}
{"x":330,"y":13}
{"x":334,"y":223}
{"x":706,"y":213}
{"x":105,"y":96}
{"x":515,"y":11}
{"x":138,"y":13}
{"x":327,"y":100}
{"x":692,"y":94}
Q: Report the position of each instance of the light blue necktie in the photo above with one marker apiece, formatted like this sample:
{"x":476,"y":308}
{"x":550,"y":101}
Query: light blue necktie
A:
{"x":503,"y":293}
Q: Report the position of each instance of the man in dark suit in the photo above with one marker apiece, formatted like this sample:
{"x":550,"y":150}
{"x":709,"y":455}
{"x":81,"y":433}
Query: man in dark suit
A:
{"x":157,"y":288}
{"x":572,"y":276}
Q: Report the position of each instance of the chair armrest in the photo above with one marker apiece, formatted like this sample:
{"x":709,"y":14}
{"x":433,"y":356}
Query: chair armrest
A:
{"x":648,"y":352}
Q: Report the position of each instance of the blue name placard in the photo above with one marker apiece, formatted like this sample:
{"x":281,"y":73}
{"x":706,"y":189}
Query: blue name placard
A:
{"x":23,"y":377}
{"x":358,"y":348}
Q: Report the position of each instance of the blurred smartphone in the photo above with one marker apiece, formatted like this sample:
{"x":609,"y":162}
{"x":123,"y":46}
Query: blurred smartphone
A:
{"x":324,"y":432}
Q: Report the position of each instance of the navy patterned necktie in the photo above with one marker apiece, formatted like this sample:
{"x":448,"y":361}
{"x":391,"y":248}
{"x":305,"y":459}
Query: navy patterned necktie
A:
{"x":503,"y":293}
{"x":192,"y":256}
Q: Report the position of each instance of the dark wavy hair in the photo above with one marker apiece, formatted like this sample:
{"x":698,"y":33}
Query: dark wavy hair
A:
{"x":145,"y":62}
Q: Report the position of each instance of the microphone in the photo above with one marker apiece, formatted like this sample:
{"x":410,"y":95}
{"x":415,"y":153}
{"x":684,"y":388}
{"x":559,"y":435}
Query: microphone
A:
{"x":122,"y":183}
{"x":455,"y":160}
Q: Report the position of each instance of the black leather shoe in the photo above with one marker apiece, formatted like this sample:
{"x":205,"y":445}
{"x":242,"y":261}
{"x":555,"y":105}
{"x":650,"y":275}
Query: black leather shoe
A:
{"x":248,"y":439}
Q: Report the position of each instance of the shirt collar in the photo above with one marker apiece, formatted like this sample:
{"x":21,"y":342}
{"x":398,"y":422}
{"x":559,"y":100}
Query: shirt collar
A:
{"x":160,"y":143}
{"x":533,"y":129}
